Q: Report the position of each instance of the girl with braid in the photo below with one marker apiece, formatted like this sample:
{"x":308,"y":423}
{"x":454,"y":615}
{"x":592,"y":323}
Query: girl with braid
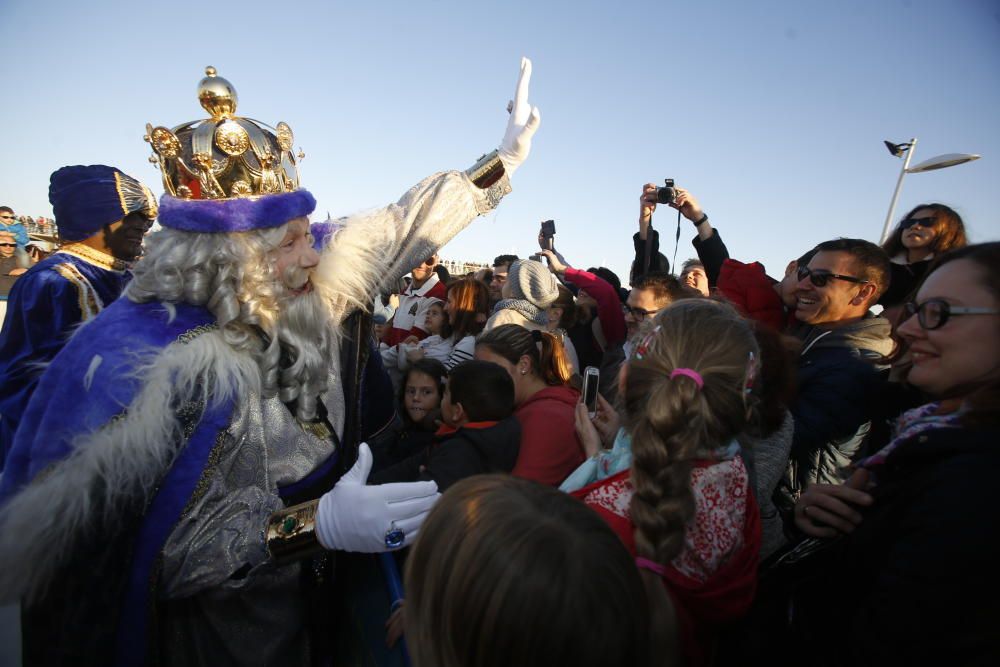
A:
{"x":684,"y":507}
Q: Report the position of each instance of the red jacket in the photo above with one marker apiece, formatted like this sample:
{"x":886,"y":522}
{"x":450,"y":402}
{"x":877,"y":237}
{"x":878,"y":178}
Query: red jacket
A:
{"x":714,"y":578}
{"x":752,"y":291}
{"x":550,"y":450}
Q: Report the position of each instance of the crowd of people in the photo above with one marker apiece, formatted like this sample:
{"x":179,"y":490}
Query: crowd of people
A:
{"x":200,"y":428}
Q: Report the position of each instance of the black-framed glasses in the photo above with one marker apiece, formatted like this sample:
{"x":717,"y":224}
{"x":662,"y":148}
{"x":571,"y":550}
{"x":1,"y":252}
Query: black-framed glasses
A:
{"x":919,"y":222}
{"x":934,"y":313}
{"x":638,"y":313}
{"x":820,"y":278}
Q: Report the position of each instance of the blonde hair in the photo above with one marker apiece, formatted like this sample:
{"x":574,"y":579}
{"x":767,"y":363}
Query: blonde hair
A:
{"x":673,"y":421}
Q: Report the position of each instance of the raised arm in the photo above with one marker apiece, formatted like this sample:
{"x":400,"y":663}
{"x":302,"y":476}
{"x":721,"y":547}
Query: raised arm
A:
{"x":371,"y":251}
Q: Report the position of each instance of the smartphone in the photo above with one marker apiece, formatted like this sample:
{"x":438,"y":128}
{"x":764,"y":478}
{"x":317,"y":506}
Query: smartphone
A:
{"x":548,"y":232}
{"x":591,"y":378}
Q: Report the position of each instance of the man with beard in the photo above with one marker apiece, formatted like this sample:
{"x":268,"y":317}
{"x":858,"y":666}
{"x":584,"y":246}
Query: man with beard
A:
{"x":102,"y":215}
{"x":156,"y":485}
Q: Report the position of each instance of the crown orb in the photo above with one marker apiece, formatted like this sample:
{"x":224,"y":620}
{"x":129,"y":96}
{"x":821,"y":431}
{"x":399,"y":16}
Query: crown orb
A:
{"x":216,"y":95}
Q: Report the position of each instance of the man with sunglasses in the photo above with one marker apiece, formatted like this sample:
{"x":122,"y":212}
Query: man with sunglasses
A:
{"x":424,"y":289}
{"x":10,"y":223}
{"x":10,"y":268}
{"x":840,"y":366}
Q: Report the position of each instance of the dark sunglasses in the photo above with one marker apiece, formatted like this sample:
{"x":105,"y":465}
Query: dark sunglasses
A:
{"x":429,"y":261}
{"x":7,"y":217}
{"x":919,"y":222}
{"x":820,"y":278}
{"x":8,"y":245}
{"x":934,"y":313}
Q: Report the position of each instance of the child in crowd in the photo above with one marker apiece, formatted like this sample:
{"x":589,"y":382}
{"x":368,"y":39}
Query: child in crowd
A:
{"x":479,"y":435}
{"x":437,"y":345}
{"x":419,"y":412}
{"x":509,"y":572}
{"x":684,"y":504}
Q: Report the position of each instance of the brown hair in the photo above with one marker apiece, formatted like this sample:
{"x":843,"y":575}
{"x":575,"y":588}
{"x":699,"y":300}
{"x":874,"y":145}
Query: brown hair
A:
{"x":672,"y":421}
{"x":949,"y":231}
{"x":472,"y":307}
{"x":546,"y":351}
{"x":666,"y":289}
{"x":510,"y":572}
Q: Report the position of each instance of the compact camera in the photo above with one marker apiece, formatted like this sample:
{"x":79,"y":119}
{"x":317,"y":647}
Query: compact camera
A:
{"x":667,"y":193}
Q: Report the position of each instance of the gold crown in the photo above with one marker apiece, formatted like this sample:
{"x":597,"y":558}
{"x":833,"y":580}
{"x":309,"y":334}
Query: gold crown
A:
{"x":224,"y":156}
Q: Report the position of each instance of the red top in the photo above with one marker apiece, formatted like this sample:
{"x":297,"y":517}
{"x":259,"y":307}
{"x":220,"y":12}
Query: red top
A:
{"x":714,"y":578}
{"x":550,"y":450}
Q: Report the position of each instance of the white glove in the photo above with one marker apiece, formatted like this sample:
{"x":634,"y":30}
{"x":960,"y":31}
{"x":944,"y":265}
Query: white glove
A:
{"x":521,"y":125}
{"x":356,"y":517}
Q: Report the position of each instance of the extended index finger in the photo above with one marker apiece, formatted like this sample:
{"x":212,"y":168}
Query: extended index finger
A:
{"x":521,"y":93}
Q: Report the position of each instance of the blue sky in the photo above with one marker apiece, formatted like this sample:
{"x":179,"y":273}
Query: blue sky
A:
{"x":772,"y":113}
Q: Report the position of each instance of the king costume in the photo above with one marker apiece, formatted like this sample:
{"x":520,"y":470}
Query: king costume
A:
{"x":69,"y":287}
{"x":150,"y":480}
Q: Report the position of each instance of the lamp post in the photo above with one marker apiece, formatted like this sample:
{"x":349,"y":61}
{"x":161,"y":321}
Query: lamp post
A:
{"x":937,"y":162}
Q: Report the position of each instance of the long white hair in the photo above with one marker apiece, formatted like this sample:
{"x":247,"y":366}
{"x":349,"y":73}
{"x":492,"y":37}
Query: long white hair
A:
{"x":234,"y":277}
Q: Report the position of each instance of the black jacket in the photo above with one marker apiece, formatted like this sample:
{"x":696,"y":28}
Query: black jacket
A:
{"x":455,"y":456}
{"x":916,"y":582}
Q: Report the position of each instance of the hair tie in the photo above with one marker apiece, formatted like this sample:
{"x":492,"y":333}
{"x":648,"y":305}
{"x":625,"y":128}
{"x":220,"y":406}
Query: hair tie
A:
{"x":536,"y":335}
{"x":647,"y":564}
{"x":689,"y":372}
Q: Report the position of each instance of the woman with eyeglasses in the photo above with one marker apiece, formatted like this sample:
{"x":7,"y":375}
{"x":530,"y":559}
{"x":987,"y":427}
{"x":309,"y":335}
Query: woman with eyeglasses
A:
{"x":912,"y":577}
{"x":926,"y":231}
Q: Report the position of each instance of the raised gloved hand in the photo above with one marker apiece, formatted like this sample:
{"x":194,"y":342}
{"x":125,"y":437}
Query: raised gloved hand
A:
{"x":521,"y":125}
{"x":356,"y":517}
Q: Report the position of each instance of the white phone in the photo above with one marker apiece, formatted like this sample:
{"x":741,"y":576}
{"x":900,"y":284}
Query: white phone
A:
{"x":591,"y":379}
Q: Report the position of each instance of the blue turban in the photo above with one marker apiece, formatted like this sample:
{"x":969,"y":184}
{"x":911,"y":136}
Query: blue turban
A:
{"x":85,"y":198}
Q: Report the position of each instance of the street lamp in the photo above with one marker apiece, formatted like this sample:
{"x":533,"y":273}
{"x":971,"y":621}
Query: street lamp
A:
{"x":937,"y":162}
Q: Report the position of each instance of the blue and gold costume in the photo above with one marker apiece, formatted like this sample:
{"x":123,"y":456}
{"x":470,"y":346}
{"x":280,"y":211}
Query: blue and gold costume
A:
{"x":66,"y":289}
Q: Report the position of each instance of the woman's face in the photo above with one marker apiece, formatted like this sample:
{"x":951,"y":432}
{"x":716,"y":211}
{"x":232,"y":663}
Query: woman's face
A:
{"x":420,"y":396}
{"x":962,"y":354}
{"x":918,"y":236}
{"x":554,"y":314}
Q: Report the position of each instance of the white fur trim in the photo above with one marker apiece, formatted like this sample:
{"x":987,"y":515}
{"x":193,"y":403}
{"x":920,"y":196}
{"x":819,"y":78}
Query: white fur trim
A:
{"x":129,"y":455}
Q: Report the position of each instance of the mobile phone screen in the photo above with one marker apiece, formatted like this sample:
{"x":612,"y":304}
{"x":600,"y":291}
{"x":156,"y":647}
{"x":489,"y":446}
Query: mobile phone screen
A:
{"x":591,"y":378}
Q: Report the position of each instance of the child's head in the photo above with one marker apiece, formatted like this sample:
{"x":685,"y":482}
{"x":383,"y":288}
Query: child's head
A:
{"x":685,"y":393}
{"x":510,"y":572}
{"x":435,"y":320}
{"x":477,"y":391}
{"x":422,"y":389}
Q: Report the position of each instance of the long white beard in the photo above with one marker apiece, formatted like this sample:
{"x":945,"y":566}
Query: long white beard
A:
{"x":304,"y":333}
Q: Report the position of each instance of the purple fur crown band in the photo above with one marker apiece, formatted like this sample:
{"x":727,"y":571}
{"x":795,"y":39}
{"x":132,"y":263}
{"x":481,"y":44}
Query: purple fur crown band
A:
{"x":215,"y":216}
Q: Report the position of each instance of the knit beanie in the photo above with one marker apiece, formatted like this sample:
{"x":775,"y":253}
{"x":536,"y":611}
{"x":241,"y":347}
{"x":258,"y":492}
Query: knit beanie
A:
{"x":533,"y":282}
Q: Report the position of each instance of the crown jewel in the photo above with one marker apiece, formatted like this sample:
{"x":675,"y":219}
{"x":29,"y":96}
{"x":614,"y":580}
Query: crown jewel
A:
{"x":225,"y":156}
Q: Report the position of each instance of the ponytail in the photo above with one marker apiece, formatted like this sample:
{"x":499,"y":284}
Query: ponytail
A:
{"x":546,"y":351}
{"x":684,"y":397}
